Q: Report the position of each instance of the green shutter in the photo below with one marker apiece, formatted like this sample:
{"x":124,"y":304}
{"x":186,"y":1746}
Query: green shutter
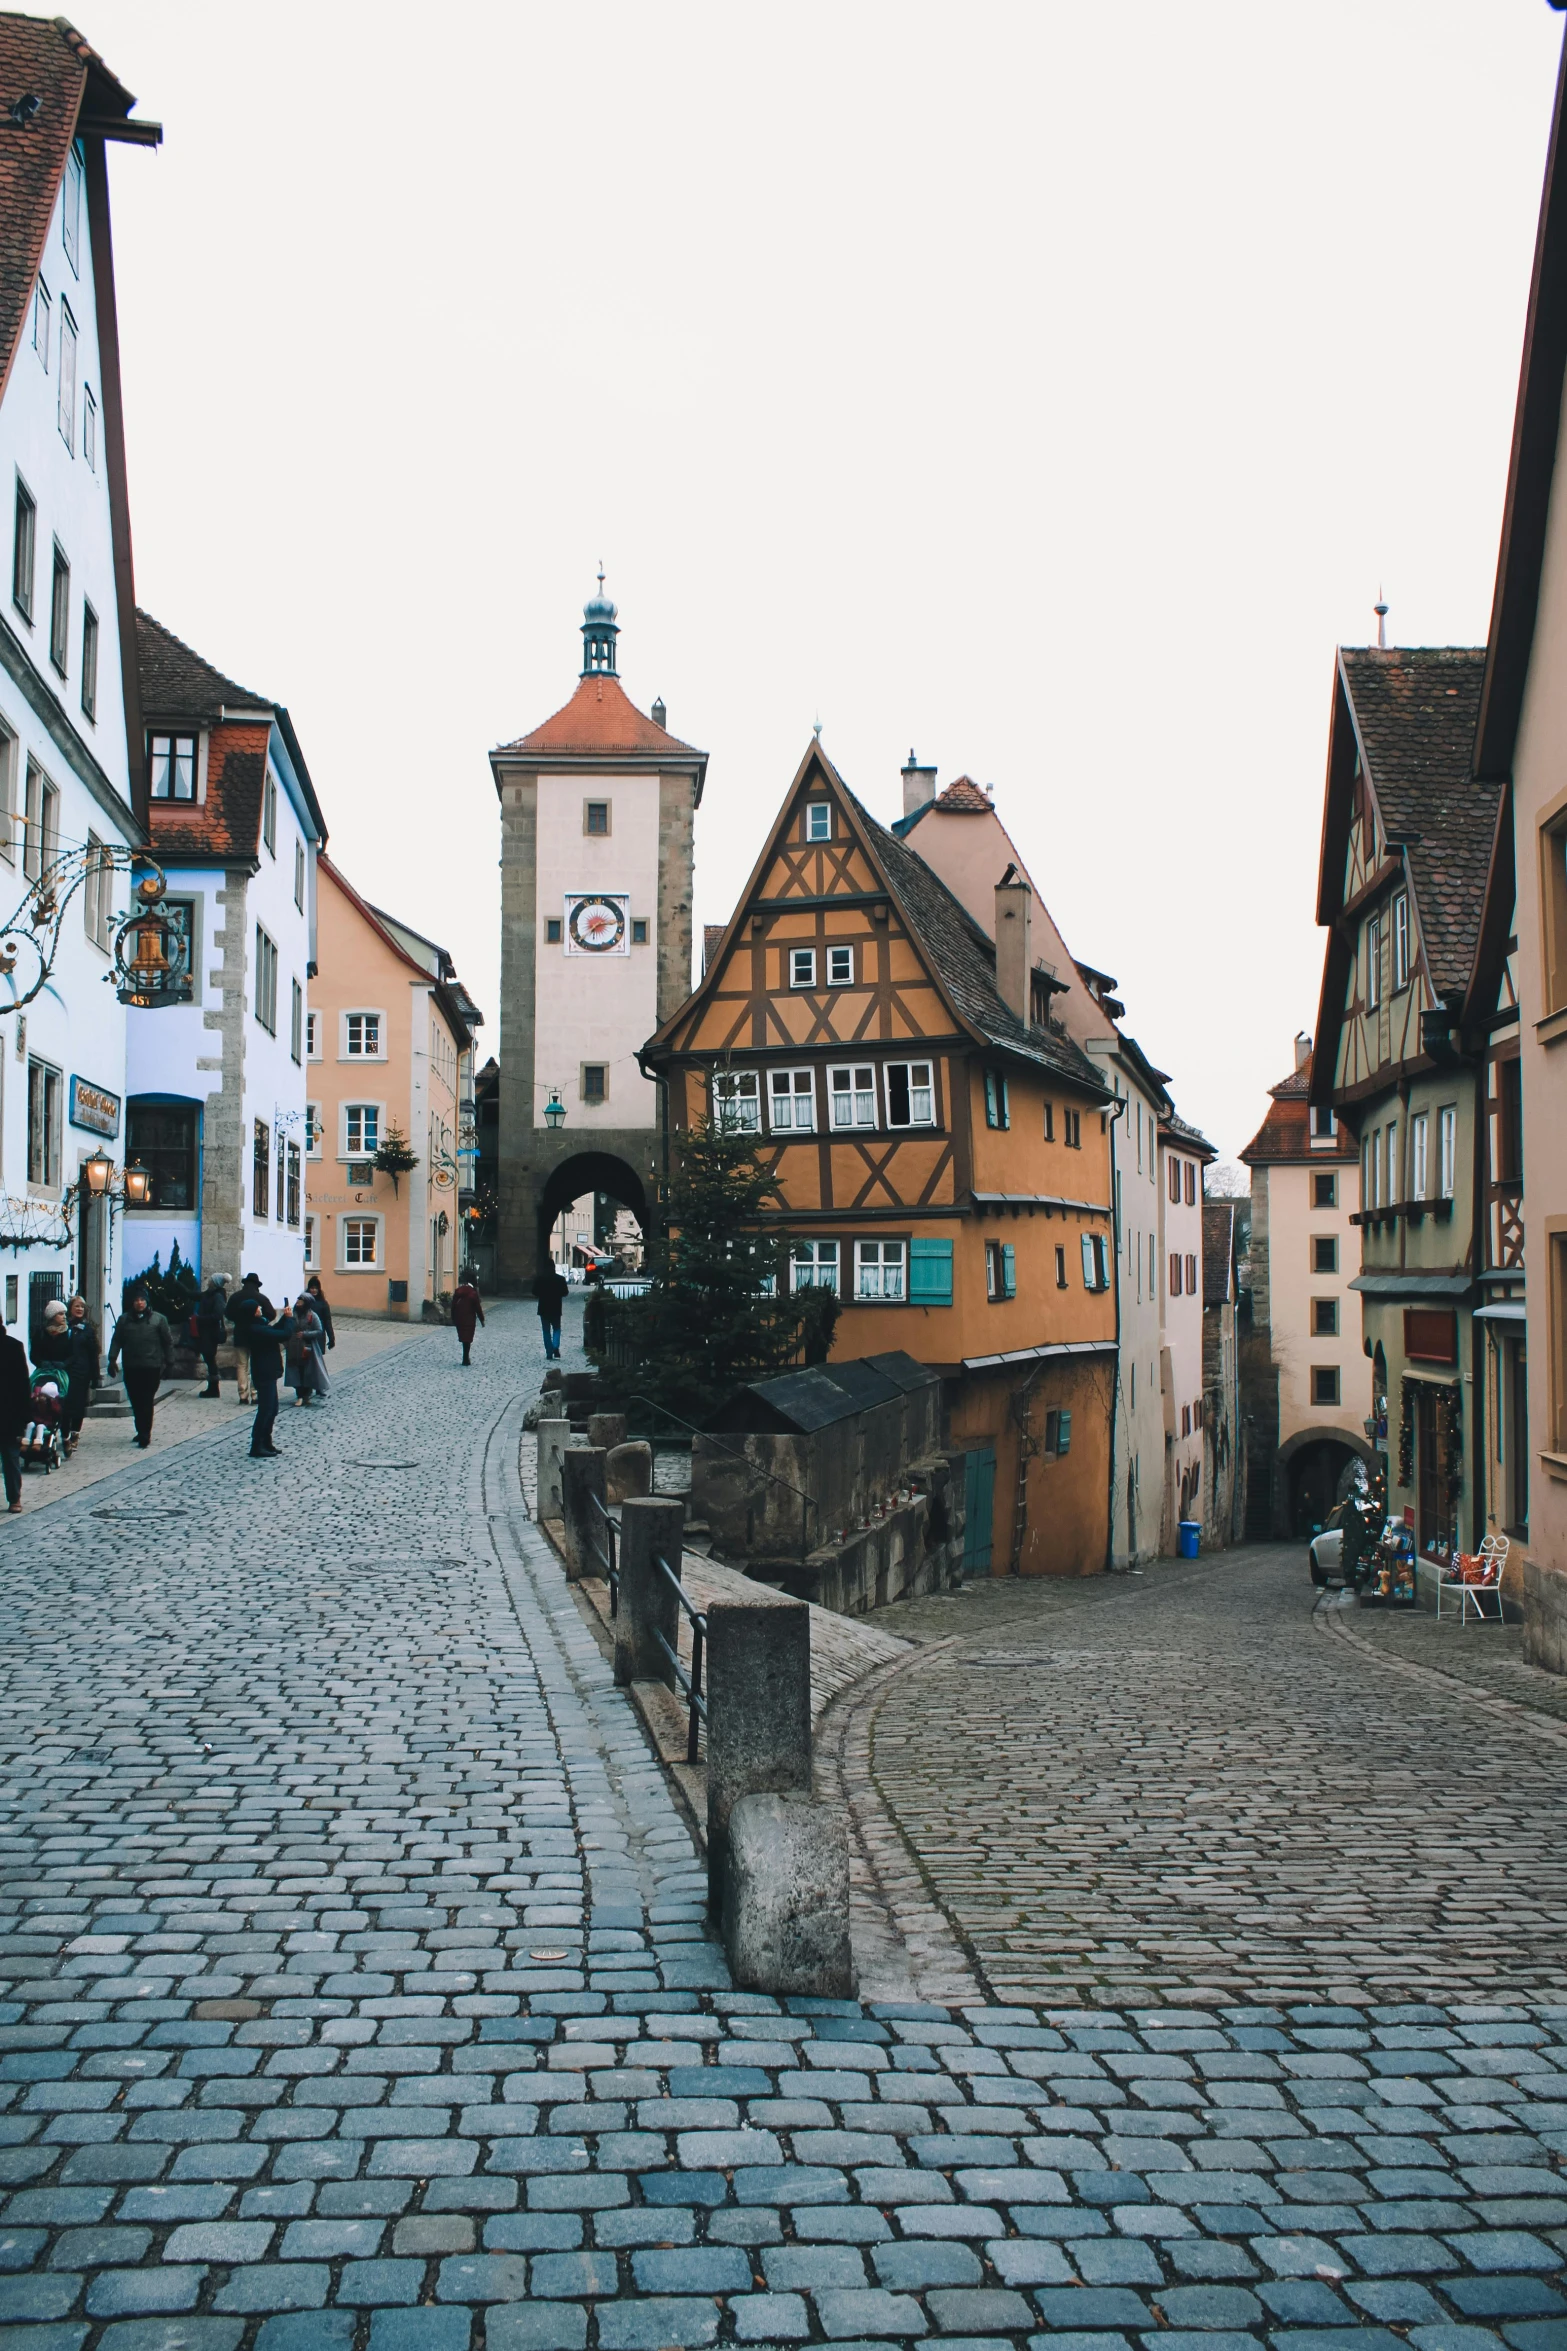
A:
{"x":1008,"y":1270}
{"x":930,"y":1273}
{"x":1089,"y":1282}
{"x":1063,"y":1432}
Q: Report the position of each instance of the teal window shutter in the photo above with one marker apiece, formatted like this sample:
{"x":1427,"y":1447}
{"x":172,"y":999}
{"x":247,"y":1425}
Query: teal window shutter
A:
{"x":1063,"y":1432}
{"x":1008,"y":1270}
{"x":930,"y":1273}
{"x":1089,"y":1269}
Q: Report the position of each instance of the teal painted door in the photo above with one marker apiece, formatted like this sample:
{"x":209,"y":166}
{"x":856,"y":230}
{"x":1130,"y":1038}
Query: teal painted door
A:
{"x":979,"y":1490}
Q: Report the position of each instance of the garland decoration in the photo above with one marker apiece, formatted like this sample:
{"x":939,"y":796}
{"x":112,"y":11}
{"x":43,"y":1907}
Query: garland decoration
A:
{"x":1406,"y":1433}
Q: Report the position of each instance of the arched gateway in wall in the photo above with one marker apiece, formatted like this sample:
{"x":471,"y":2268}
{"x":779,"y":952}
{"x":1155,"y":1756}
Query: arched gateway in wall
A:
{"x":597,"y":809}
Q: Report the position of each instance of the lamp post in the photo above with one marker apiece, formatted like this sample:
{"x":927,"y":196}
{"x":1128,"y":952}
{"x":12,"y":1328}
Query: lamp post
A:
{"x":96,"y":1172}
{"x":554,"y":1111}
{"x":138,"y":1185}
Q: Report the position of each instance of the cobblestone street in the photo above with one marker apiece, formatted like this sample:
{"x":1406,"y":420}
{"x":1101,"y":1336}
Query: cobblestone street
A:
{"x":355,"y":1992}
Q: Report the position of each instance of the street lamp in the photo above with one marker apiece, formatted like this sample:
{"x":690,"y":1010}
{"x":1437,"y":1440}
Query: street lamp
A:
{"x":96,"y":1172}
{"x":554,"y":1111}
{"x":138,"y":1186}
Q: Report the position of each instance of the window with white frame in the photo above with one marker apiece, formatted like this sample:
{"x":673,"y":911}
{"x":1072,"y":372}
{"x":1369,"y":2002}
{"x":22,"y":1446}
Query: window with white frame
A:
{"x":65,"y":403}
{"x":24,"y":549}
{"x":1419,"y":1146}
{"x":737,"y":1100}
{"x":852,"y":1094}
{"x":173,"y":767}
{"x":296,"y":1023}
{"x":266,"y":981}
{"x":362,"y":1036}
{"x":361,"y":1240}
{"x":1373,"y":963}
{"x":881,"y":1269}
{"x":299,"y":875}
{"x":1000,"y":1270}
{"x":802,"y":967}
{"x":269,"y":814}
{"x":1401,"y":941}
{"x":818,"y":819}
{"x":60,"y":611}
{"x":361,"y":1129}
{"x":813,"y":1265}
{"x":1447,"y":1145}
{"x":312,"y":1130}
{"x":71,"y":211}
{"x":791,"y":1101}
{"x":312,"y":1244}
{"x":7,"y":795}
{"x":89,"y":428}
{"x":294,"y":1190}
{"x":42,"y":311}
{"x":312,"y":1036}
{"x":911,"y":1094}
{"x":89,"y":661}
{"x":42,"y":844}
{"x":1324,"y":1125}
{"x":98,"y":893}
{"x":840,"y":967}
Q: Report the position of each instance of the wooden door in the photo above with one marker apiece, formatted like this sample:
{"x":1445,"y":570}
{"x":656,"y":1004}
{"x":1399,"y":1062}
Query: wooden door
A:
{"x":979,"y":1493}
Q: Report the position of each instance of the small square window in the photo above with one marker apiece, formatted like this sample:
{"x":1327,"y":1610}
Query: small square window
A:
{"x":1324,"y":1383}
{"x":802,"y":967}
{"x":818,"y":820}
{"x":362,"y":1035}
{"x":791,"y":1101}
{"x":852,"y":1094}
{"x":1324,"y":1318}
{"x":595,"y":818}
{"x":595,"y":1081}
{"x":1324,"y":1253}
{"x":639,"y":930}
{"x":1324,"y":1191}
{"x":840,"y":967}
{"x":737,"y":1101}
{"x":552,"y":930}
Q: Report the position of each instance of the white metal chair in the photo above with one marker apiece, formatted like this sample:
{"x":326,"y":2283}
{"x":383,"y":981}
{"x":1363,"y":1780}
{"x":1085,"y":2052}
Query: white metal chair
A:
{"x":1482,"y":1583}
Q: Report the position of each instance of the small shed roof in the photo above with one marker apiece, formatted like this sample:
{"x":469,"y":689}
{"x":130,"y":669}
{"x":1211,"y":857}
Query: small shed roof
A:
{"x":798,"y":1402}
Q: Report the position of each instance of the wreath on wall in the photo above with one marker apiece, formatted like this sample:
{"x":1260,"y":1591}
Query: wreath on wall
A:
{"x":1406,"y":1433}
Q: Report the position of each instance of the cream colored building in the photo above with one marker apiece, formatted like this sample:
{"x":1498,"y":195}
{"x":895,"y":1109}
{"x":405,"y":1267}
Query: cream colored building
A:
{"x":1306,"y":1381}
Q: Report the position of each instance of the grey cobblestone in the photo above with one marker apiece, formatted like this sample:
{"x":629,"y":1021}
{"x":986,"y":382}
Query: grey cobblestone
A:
{"x":289,"y":1853}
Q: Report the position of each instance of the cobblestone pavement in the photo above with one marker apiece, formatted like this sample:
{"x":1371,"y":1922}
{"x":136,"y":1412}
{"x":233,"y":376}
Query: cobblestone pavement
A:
{"x":355,"y":1997}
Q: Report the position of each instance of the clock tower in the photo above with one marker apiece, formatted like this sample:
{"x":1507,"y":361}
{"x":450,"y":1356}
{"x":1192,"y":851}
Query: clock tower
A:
{"x":597,"y":809}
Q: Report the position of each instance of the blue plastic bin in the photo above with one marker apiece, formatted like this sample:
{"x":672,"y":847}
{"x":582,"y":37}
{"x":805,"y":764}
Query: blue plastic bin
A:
{"x":1188,"y":1535}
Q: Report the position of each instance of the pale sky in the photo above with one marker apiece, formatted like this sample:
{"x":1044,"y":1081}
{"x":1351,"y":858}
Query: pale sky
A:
{"x":1048,"y":388}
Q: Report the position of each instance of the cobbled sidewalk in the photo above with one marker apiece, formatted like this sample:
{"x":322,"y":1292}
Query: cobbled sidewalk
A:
{"x":356,"y":1994}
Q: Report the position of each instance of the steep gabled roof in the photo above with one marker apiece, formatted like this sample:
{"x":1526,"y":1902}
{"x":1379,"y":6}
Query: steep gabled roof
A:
{"x":177,"y":682}
{"x":1178,"y":1130}
{"x":180,"y":687}
{"x":600,"y":719}
{"x":1415,"y":710}
{"x":448,"y":991}
{"x":1285,"y":1134}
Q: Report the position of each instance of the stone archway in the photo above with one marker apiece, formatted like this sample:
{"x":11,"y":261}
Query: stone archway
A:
{"x":1312,"y":1466}
{"x":587,"y":1171}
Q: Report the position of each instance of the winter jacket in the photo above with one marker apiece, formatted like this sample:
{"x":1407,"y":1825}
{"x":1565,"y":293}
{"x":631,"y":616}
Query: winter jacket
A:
{"x":83,"y":1354}
{"x":143,"y":1342}
{"x":210,"y":1313}
{"x":267,"y":1340}
{"x":325,"y":1313}
{"x":241,"y":1311}
{"x":16,"y":1398}
{"x":466,"y":1311}
{"x":552,"y":1295}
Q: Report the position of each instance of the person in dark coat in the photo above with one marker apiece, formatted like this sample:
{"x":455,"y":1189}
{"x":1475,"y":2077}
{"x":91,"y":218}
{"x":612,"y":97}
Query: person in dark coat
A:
{"x":16,"y":1410}
{"x":322,"y":1308}
{"x":268,"y":1334}
{"x":211,"y":1320}
{"x":83,"y":1362}
{"x":466,"y":1310}
{"x":241,"y":1312}
{"x":146,"y":1344}
{"x":552,"y":1297}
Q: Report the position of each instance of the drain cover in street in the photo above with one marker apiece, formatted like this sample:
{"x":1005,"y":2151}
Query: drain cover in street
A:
{"x":383,"y":1465}
{"x":546,"y":1954}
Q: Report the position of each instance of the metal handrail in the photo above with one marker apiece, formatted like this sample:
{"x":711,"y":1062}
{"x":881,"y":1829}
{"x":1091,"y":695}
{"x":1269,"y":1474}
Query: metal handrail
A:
{"x":606,"y":1556}
{"x":690,"y":1682}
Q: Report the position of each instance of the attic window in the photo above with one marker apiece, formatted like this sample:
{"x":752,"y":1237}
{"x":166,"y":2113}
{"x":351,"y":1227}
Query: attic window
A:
{"x":818,"y":820}
{"x":174,"y":767}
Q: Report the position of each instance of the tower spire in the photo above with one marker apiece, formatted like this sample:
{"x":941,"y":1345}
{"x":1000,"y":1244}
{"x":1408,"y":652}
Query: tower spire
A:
{"x":599,"y":631}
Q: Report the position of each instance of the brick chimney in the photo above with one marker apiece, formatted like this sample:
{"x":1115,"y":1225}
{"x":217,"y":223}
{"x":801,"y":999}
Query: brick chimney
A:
{"x":1302,"y":1049}
{"x":1014,"y":943}
{"x":919,"y":786}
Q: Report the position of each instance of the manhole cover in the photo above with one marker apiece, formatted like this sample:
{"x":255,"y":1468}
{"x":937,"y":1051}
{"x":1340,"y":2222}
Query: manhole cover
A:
{"x":383,"y":1465}
{"x":546,"y":1954}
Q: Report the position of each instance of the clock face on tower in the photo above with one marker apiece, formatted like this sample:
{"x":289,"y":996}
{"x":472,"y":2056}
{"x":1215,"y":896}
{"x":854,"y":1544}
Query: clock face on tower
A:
{"x":596,"y":925}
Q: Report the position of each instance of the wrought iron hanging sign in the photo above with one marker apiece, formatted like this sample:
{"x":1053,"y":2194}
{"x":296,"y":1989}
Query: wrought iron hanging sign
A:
{"x":151,"y":974}
{"x":152,"y":950}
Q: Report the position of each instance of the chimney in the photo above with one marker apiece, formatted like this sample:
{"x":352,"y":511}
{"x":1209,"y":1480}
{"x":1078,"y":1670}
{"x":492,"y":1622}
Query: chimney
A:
{"x":1302,"y":1048}
{"x":659,"y":715}
{"x":919,"y":786}
{"x":1014,"y":943}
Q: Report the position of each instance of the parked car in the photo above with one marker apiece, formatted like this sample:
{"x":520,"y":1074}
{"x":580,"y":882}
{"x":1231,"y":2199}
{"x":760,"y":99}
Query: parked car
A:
{"x":1325,"y":1551}
{"x":1340,"y":1554}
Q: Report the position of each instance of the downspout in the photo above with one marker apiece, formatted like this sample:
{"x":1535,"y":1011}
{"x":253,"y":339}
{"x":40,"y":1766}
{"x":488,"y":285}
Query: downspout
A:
{"x":1121,"y":1106}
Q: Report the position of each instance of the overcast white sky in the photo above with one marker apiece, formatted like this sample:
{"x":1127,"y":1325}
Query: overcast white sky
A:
{"x":1046,"y":387}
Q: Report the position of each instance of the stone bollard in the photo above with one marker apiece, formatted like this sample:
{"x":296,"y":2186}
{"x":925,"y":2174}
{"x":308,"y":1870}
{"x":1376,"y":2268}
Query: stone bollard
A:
{"x":554,"y":1377}
{"x":647,"y":1603}
{"x":628,"y":1472}
{"x":758,"y":1712}
{"x":582,"y":1485}
{"x":786,"y":1898}
{"x":554,"y":1435}
{"x":607,"y":1429}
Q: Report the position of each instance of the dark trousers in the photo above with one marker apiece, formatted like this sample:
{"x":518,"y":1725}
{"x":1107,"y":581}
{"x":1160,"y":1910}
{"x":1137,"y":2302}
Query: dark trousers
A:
{"x":551,"y":1336}
{"x":11,"y":1463}
{"x":209,"y":1342}
{"x":266,"y":1409}
{"x":142,"y":1388}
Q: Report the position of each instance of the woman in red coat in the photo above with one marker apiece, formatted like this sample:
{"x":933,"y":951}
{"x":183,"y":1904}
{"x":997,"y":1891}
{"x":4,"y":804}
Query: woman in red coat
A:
{"x":466,"y":1311}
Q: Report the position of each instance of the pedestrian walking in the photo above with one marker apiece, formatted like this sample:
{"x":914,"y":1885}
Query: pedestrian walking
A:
{"x":16,"y":1410}
{"x":208,"y":1323}
{"x":83,"y":1363}
{"x":307,"y":1353}
{"x":269,"y":1333}
{"x":467,"y":1309}
{"x":318,"y":1300}
{"x":143,"y":1342}
{"x":241,"y":1312}
{"x":552,"y":1297}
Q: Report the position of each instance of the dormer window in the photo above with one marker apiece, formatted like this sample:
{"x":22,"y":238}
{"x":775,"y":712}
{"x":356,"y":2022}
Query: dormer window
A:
{"x":269,"y":814}
{"x":173,"y":761}
{"x":818,"y":820}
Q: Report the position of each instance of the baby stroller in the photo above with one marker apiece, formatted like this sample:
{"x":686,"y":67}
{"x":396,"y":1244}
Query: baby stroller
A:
{"x":40,"y":1441}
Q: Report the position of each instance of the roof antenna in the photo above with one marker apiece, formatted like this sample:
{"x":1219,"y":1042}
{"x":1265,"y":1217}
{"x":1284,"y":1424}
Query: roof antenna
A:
{"x":1380,"y":609}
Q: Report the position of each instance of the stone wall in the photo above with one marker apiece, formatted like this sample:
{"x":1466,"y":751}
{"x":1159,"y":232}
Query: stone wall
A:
{"x":1545,"y":1615}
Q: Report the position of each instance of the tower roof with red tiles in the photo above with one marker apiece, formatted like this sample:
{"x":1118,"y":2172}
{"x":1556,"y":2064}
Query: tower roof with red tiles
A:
{"x":601,"y":722}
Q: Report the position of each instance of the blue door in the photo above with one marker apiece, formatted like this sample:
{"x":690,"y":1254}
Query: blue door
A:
{"x":979,"y":1494}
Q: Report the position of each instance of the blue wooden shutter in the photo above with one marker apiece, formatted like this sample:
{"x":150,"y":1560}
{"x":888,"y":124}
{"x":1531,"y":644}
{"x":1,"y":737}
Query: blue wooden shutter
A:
{"x":1063,"y":1432}
{"x":1088,"y":1262}
{"x":1008,"y":1270}
{"x":930,"y":1273}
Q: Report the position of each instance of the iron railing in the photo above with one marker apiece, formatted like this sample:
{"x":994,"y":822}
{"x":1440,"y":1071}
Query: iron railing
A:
{"x":607,"y":1554}
{"x":691,"y":1683}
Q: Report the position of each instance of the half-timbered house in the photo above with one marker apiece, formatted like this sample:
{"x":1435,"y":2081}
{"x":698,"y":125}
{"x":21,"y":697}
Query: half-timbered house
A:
{"x":941,"y":1147}
{"x":1407,"y":840}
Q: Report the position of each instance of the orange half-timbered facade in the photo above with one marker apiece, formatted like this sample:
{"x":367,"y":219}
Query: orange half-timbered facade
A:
{"x":941,"y":1147}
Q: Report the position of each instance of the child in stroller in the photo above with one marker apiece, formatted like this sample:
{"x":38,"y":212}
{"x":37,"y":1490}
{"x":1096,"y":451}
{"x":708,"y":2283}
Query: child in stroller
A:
{"x":40,"y":1439}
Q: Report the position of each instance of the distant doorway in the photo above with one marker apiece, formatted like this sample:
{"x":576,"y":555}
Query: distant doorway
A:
{"x":584,"y":1175}
{"x":1315,"y":1474}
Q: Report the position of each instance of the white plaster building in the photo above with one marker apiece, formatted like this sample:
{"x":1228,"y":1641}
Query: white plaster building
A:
{"x":1183,"y":1154}
{"x":69,"y":725}
{"x":217,"y":1088}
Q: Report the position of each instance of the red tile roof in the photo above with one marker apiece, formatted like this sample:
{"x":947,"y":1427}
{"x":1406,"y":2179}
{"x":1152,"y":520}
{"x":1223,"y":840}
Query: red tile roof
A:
{"x":964,"y":798}
{"x":601,"y":718}
{"x":179,"y":688}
